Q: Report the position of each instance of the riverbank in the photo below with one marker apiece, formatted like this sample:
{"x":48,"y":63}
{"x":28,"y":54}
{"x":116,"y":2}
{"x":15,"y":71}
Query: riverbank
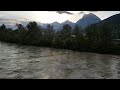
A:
{"x":114,"y":50}
{"x":96,"y":39}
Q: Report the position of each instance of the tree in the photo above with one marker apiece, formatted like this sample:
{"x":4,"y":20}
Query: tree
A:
{"x":99,"y":36}
{"x":50,"y":30}
{"x":21,"y":34}
{"x":66,"y":29}
{"x":48,"y":35}
{"x":20,"y":27}
{"x":33,"y":26}
{"x":105,"y":34}
{"x":33,"y":33}
{"x":93,"y":37}
{"x":77,"y":31}
{"x":2,"y":27}
{"x":92,"y":33}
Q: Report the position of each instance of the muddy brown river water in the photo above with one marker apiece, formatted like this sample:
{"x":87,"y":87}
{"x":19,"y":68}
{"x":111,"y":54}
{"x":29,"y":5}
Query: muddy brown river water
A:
{"x":29,"y":62}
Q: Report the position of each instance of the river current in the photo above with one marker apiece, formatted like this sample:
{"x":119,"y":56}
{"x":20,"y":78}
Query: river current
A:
{"x":29,"y":62}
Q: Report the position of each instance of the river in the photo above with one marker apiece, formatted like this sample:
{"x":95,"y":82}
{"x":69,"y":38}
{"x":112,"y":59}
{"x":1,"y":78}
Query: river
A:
{"x":29,"y":62}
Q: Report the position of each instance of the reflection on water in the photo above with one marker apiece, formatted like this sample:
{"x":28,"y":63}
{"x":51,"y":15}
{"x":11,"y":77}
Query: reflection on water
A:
{"x":24,"y":62}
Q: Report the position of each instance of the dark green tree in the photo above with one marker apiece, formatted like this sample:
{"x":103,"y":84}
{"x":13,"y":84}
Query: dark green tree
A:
{"x":67,"y":29}
{"x":33,"y":33}
{"x":2,"y":27}
{"x":105,"y":34}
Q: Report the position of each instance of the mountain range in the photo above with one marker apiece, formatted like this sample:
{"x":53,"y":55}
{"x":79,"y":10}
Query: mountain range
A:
{"x":86,"y":20}
{"x":11,"y":23}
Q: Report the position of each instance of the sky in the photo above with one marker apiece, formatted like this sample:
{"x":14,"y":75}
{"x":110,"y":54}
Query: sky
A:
{"x":52,"y":16}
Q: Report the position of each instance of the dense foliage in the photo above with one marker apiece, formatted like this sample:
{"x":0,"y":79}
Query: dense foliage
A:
{"x":94,"y":38}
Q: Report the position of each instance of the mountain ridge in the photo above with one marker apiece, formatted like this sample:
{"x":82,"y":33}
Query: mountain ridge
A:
{"x":114,"y":19}
{"x":87,"y":20}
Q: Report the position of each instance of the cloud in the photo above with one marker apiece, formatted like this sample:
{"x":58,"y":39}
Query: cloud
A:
{"x":93,"y":11}
{"x":82,"y":12}
{"x":62,"y":12}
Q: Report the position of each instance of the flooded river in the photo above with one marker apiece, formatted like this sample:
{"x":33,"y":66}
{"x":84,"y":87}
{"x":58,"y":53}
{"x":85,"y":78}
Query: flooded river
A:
{"x":28,"y":62}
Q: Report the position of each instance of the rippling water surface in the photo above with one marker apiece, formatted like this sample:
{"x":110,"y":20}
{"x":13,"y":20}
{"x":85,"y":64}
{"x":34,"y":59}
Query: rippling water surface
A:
{"x":28,"y":62}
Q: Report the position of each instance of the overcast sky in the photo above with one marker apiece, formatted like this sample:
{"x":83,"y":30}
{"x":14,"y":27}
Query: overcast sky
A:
{"x":52,"y":16}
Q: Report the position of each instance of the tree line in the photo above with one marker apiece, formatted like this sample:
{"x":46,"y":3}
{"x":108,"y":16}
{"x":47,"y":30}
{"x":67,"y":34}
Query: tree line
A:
{"x":94,"y":38}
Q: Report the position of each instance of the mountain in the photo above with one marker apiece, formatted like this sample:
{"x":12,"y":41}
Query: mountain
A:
{"x":11,"y":23}
{"x":56,"y":25}
{"x":88,"y":19}
{"x":8,"y":22}
{"x":69,"y":22}
{"x":115,"y":19}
